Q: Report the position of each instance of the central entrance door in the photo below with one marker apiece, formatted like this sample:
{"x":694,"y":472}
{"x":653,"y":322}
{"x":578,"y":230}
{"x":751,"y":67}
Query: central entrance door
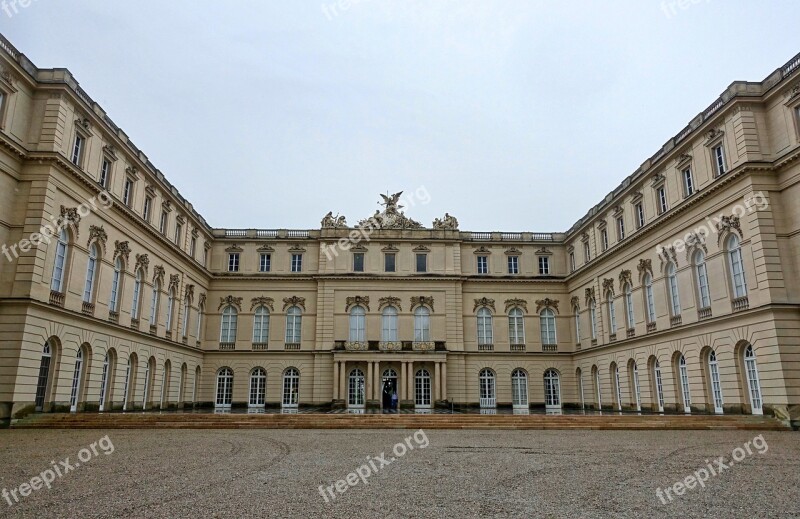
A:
{"x":355,"y":394}
{"x":389,"y":396}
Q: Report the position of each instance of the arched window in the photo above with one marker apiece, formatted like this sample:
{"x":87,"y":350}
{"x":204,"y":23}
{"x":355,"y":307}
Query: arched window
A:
{"x":116,"y":285}
{"x":617,"y":385}
{"x":230,"y":322}
{"x":649,"y":300}
{"x":577,"y":325}
{"x":60,"y":264}
{"x":43,"y":382}
{"x":519,"y":389}
{"x":593,"y":318}
{"x":659,"y":387}
{"x":201,"y":310}
{"x":258,"y":388}
{"x":389,"y":324}
{"x":195,"y":383}
{"x":127,"y":395}
{"x":636,"y":388}
{"x":149,"y":374}
{"x":137,"y":295}
{"x":684,"y":377}
{"x":612,"y":315}
{"x":358,"y":324}
{"x":291,"y":388}
{"x":516,"y":326}
{"x":597,"y":389}
{"x":629,"y":315}
{"x":737,"y":267}
{"x":422,"y":324}
{"x":91,"y":275}
{"x":355,"y":389}
{"x":165,"y":380}
{"x":702,"y":279}
{"x":261,"y":325}
{"x":294,"y":325}
{"x":672,"y":288}
{"x":422,"y":389}
{"x":104,"y":382}
{"x":224,"y":388}
{"x":186,"y":315}
{"x":753,"y":384}
{"x":552,"y":390}
{"x":579,"y":376}
{"x":154,"y":303}
{"x":547,"y":322}
{"x":182,"y":383}
{"x":485,"y":332}
{"x":716,"y":388}
{"x":170,"y":308}
{"x":76,"y":381}
{"x":487,"y":391}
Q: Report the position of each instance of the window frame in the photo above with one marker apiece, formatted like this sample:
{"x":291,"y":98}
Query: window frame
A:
{"x":424,"y":257}
{"x":718,"y":159}
{"x":127,"y":192}
{"x":639,"y":210}
{"x":106,"y":164}
{"x":393,"y":256}
{"x":547,"y":325}
{"x":234,"y":259}
{"x":620,"y":228}
{"x":264,"y":262}
{"x":147,"y":208}
{"x":78,"y":149}
{"x":661,"y":198}
{"x":359,"y":261}
{"x":482,"y":264}
{"x":689,"y":187}
{"x":296,"y":264}
{"x":513,"y":264}
{"x":604,"y":238}
{"x":544,"y":265}
{"x":485,"y":327}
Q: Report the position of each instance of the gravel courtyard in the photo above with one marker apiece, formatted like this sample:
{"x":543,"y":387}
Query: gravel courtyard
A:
{"x":274,"y":473}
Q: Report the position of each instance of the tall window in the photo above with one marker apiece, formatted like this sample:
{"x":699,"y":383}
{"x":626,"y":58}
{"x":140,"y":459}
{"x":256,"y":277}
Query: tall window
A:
{"x":104,"y":382}
{"x":544,"y":265}
{"x":154,"y":303}
{"x":587,"y":252}
{"x":147,"y":208}
{"x":597,"y":388}
{"x":261,"y":325}
{"x":233,"y":262}
{"x":91,"y":275}
{"x":612,"y":314}
{"x":199,"y":330}
{"x":716,"y":387}
{"x":483,"y":264}
{"x":178,"y":233}
{"x":59,"y":266}
{"x":116,"y":281}
{"x":137,"y":295}
{"x":661,"y":194}
{"x":389,"y":324}
{"x":105,"y":172}
{"x":422,"y":262}
{"x":297,"y":262}
{"x":291,"y":388}
{"x":737,"y":267}
{"x":649,"y":300}
{"x":358,"y":324}
{"x":77,"y":150}
{"x":358,"y":262}
{"x":688,"y":182}
{"x":639,"y":215}
{"x":620,"y":228}
{"x":684,"y":377}
{"x":629,"y":306}
{"x":76,"y":381}
{"x":162,"y":224}
{"x":258,"y":387}
{"x":702,"y":279}
{"x":604,"y":238}
{"x":224,"y":388}
{"x":659,"y":386}
{"x":127,"y":192}
{"x":577,"y":324}
{"x":355,"y":389}
{"x":487,"y":388}
{"x":753,"y":384}
{"x":485,"y":333}
{"x":127,"y":395}
{"x":264,"y":262}
{"x":294,"y":325}
{"x":422,"y":389}
{"x":186,"y":314}
{"x":516,"y":326}
{"x":422,"y":324}
{"x":636,"y":389}
{"x":547,"y":323}
{"x":519,"y":389}
{"x":593,"y":318}
{"x":389,"y":262}
{"x":672,"y":285}
{"x":230,"y":319}
{"x":572,"y":262}
{"x":552,"y":390}
{"x":617,"y":387}
{"x":718,"y":155}
{"x":513,"y":264}
{"x":170,"y":309}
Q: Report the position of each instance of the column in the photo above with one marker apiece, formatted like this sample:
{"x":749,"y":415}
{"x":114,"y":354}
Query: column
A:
{"x":444,"y":380}
{"x":404,"y":381}
{"x":436,"y":383}
{"x":410,"y":387}
{"x":368,"y":385}
{"x":335,"y":380}
{"x":342,"y":380}
{"x":377,"y":387}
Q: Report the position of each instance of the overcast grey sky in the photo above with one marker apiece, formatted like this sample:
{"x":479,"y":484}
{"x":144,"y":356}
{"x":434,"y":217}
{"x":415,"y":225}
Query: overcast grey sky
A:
{"x":513,"y":115}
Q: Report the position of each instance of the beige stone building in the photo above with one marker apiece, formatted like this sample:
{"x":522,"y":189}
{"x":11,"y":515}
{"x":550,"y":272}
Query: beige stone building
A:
{"x":677,"y":293}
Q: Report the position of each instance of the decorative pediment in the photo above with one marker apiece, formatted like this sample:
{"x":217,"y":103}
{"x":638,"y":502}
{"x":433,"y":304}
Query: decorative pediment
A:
{"x":421,"y":301}
{"x":645,"y":267}
{"x":668,"y":254}
{"x":333,"y":222}
{"x":98,"y":234}
{"x":174,"y":281}
{"x":294,"y":301}
{"x":512,"y":251}
{"x":574,"y":303}
{"x":728,"y":224}
{"x":195,"y":233}
{"x":658,"y":180}
{"x":230,"y":301}
{"x":589,"y":295}
{"x":158,"y":273}
{"x":421,"y":248}
{"x":695,"y":240}
{"x":188,"y":292}
{"x":358,"y":247}
{"x":682,"y":159}
{"x":83,"y":122}
{"x":446,"y":223}
{"x":234,"y":248}
{"x":624,"y":277}
{"x":602,"y":224}
{"x":713,"y":135}
{"x":794,"y":91}
{"x":585,"y":237}
{"x":390,"y":248}
{"x":166,"y":206}
{"x":142,"y":262}
{"x":546,"y":303}
{"x":636,"y":197}
{"x":389,"y":301}
{"x":110,"y":151}
{"x":133,"y":172}
{"x":516,"y":303}
{"x":180,"y":219}
{"x":262,"y":301}
{"x":352,"y":301}
{"x":6,"y":75}
{"x":482,"y":250}
{"x":544,"y":251}
{"x":150,"y":190}
{"x":484,"y":302}
{"x":265,"y":249}
{"x":297,"y":249}
{"x":69,"y":218}
{"x":608,"y":286}
{"x":618,"y":211}
{"x":123,"y":249}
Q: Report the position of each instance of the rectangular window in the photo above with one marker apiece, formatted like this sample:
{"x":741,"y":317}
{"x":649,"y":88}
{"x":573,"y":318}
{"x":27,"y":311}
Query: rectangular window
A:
{"x":127,"y":192}
{"x":178,"y":231}
{"x":544,"y":265}
{"x":265,"y":262}
{"x":422,"y":262}
{"x":620,"y":228}
{"x":192,"y":246}
{"x":233,"y":262}
{"x":162,"y":225}
{"x":688,"y":182}
{"x":148,"y":204}
{"x":105,"y":171}
{"x":604,"y":238}
{"x":358,"y":262}
{"x":297,"y":262}
{"x":719,"y":159}
{"x":205,"y":257}
{"x":77,"y":150}
{"x":572,"y":262}
{"x":483,"y":264}
{"x":639,"y":215}
{"x":389,"y":262}
{"x":662,"y":200}
{"x":587,"y":253}
{"x":513,"y":264}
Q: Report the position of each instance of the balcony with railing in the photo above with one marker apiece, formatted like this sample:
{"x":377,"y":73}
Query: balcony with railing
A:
{"x":113,"y":316}
{"x":704,"y":313}
{"x":57,"y":298}
{"x":259,"y":346}
{"x":487,"y":346}
{"x":630,"y":333}
{"x":423,"y":346}
{"x":87,"y":308}
{"x":291,"y":346}
{"x":356,"y":345}
{"x":651,"y":327}
{"x":740,"y":303}
{"x":517,"y":347}
{"x":675,"y":320}
{"x":227,"y":346}
{"x":612,"y":337}
{"x":390,"y":345}
{"x":549,"y":348}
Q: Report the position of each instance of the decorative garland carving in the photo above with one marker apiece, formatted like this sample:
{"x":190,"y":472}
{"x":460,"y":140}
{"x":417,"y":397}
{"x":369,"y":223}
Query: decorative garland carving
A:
{"x":142,"y":262}
{"x":645,"y":266}
{"x":608,"y":285}
{"x":574,"y":302}
{"x":262,"y":301}
{"x":693,"y":241}
{"x":518,"y":303}
{"x":201,"y":301}
{"x":624,"y":277}
{"x":121,"y":248}
{"x":484,"y":302}
{"x":667,"y":255}
{"x":230,"y":301}
{"x":188,"y":292}
{"x":729,"y":224}
{"x":99,"y":234}
{"x":482,"y":250}
{"x":294,"y":301}
{"x":589,"y":295}
{"x":174,"y":281}
{"x":158,"y":273}
{"x":356,"y":301}
{"x":421,"y":301}
{"x":389,"y":301}
{"x":69,"y":216}
{"x":547,"y":303}
{"x":513,"y":251}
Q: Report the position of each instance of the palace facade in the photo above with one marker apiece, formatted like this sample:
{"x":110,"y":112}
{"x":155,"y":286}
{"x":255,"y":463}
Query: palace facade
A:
{"x":678,"y":292}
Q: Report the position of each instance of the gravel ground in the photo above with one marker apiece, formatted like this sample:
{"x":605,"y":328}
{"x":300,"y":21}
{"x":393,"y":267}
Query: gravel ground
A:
{"x":271,"y":473}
